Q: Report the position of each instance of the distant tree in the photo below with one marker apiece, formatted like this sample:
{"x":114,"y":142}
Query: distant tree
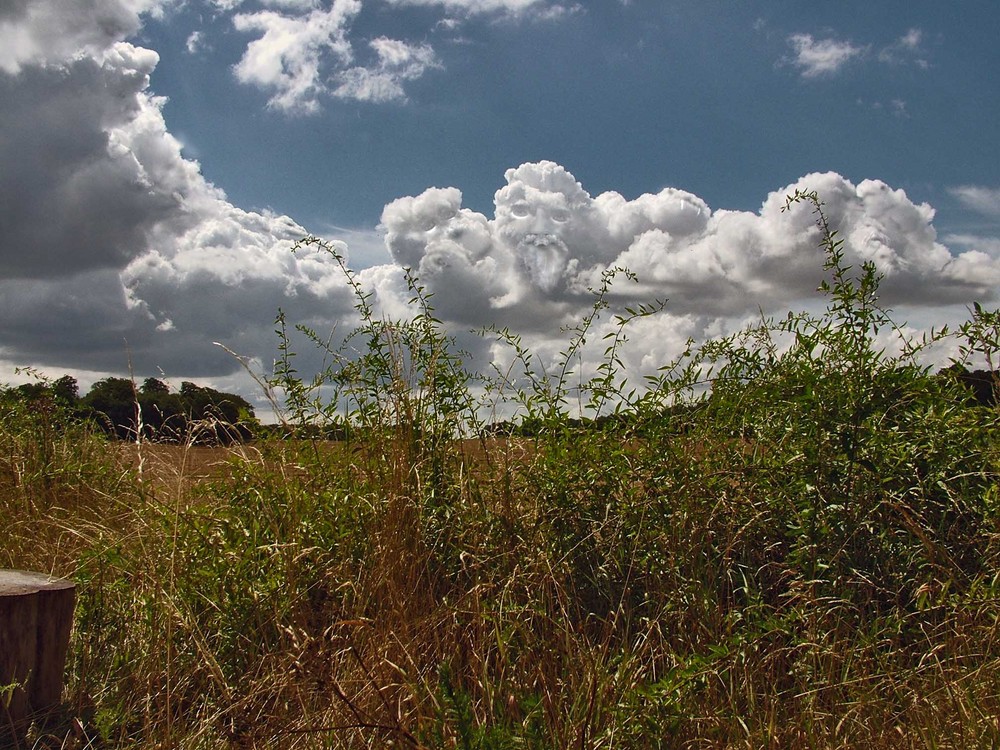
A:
{"x":983,"y":386}
{"x":163,"y":415}
{"x":232,"y":415}
{"x":219,"y":416}
{"x":112,"y":403}
{"x":66,"y":391}
{"x":154,"y":386}
{"x":34,"y":399}
{"x":33,"y":391}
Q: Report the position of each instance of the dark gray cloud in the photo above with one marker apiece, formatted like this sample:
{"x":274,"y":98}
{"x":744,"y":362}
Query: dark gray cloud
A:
{"x":80,"y":322}
{"x":112,"y":244}
{"x":74,"y":197}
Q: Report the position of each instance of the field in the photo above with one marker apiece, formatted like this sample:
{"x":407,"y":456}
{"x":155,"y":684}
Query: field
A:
{"x":576,"y":594}
{"x":790,"y":539}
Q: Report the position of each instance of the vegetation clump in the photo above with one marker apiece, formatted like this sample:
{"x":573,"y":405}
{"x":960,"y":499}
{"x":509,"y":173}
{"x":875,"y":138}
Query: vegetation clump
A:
{"x":148,"y":412}
{"x":789,"y":538}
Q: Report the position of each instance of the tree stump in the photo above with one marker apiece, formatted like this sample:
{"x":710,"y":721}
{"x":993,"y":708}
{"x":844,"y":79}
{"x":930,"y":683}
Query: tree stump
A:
{"x":36,"y":614}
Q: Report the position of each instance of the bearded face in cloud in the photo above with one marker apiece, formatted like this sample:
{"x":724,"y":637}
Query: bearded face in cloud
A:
{"x":542,"y":248}
{"x":547,"y":222}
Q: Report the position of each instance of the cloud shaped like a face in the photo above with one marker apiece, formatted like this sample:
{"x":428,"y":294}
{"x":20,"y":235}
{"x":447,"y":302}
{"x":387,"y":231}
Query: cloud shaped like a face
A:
{"x":549,"y":225}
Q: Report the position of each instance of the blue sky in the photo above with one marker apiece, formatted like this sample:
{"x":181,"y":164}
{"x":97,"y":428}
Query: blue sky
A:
{"x":706,"y":96}
{"x":159,"y":158}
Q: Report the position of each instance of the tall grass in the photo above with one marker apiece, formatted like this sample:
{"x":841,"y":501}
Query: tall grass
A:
{"x":790,"y":539}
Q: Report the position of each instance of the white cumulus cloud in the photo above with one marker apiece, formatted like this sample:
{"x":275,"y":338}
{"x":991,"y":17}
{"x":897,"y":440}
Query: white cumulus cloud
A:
{"x":52,"y":31}
{"x":289,"y":56}
{"x":532,"y":266}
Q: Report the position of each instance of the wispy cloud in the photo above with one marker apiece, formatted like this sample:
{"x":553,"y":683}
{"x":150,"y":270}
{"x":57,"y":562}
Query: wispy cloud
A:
{"x":907,"y":50}
{"x":816,"y":58}
{"x":383,"y":82}
{"x":822,"y":57}
{"x":534,"y":9}
{"x":195,"y":42}
{"x":984,"y":244}
{"x":982,"y":200}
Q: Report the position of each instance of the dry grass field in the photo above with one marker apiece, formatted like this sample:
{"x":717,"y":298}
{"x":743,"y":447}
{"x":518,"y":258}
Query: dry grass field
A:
{"x":565,"y":591}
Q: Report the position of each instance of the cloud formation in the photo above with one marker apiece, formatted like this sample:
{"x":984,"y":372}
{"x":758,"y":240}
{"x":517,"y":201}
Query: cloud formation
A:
{"x":397,"y":63}
{"x":542,"y":9}
{"x":114,"y":245}
{"x":549,"y":240}
{"x":908,"y":49}
{"x":292,"y":51}
{"x":112,"y":240}
{"x":823,"y":58}
{"x":35,"y":31}
{"x":305,"y":51}
{"x":533,"y":265}
{"x":982,"y":200}
{"x":77,"y":197}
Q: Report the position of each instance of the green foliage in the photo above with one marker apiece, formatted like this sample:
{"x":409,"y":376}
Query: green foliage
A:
{"x":388,"y":377}
{"x":543,"y":397}
{"x":114,"y":404}
{"x":149,"y":412}
{"x":54,"y":467}
{"x":872,"y":474}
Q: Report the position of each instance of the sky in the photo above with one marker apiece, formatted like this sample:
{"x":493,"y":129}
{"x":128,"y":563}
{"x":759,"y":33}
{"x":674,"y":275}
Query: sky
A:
{"x":159,"y":159}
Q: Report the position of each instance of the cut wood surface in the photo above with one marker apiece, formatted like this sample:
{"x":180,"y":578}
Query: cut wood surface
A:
{"x":36,"y":614}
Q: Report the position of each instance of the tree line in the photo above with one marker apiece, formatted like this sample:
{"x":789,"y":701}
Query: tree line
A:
{"x":151,"y":410}
{"x":124,"y":410}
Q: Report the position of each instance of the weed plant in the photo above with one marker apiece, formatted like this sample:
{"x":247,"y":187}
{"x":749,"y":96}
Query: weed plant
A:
{"x":788,"y":538}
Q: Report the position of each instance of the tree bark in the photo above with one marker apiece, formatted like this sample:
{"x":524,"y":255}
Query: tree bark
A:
{"x":36,"y":614}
